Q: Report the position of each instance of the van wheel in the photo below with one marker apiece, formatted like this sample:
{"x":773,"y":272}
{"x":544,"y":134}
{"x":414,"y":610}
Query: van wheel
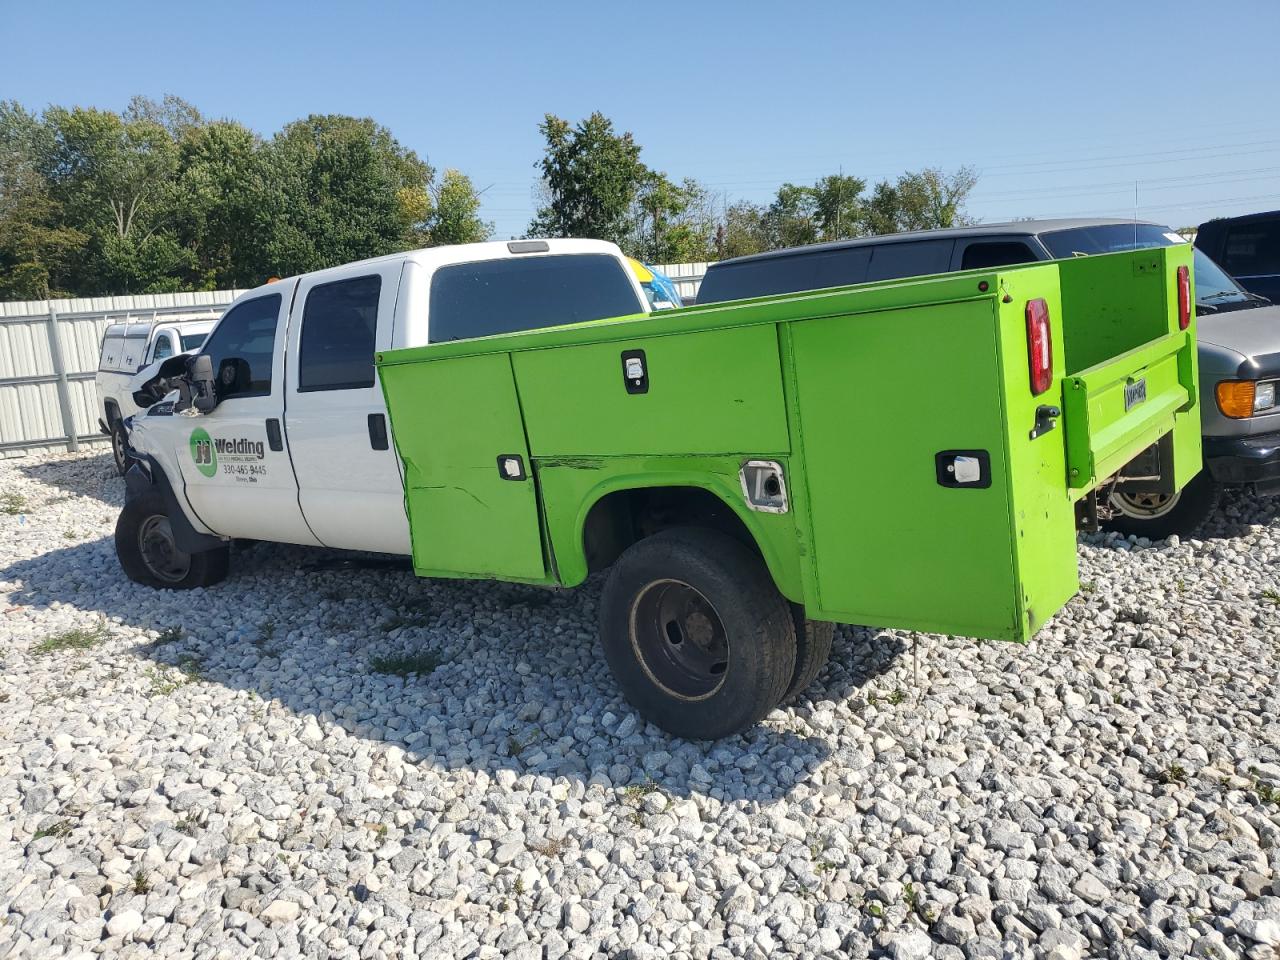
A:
{"x":813,"y":650}
{"x":119,"y":444}
{"x":1156,"y":516}
{"x":149,"y":555}
{"x":696,"y":633}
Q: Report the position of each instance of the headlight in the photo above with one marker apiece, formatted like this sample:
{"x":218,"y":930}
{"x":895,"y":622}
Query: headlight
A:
{"x":1264,"y":397}
{"x":1245,"y":398}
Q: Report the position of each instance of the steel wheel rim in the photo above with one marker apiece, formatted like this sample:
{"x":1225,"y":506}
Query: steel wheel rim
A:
{"x":159,"y":552}
{"x":1145,"y":506}
{"x":679,"y":640}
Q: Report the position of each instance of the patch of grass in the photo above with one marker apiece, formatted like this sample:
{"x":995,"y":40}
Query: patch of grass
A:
{"x":187,"y":825}
{"x":1272,"y":595}
{"x":167,"y":636}
{"x":80,"y":638}
{"x":1087,"y":586}
{"x":70,"y":535}
{"x":165,"y":682}
{"x":379,"y":829}
{"x":59,"y":829}
{"x":516,"y":746}
{"x":910,"y":896}
{"x":13,"y":504}
{"x":141,"y":885}
{"x":898,"y":696}
{"x":1265,"y":793}
{"x":519,"y":885}
{"x":1174,"y":773}
{"x":191,"y":667}
{"x":873,"y":908}
{"x":549,"y":847}
{"x":405,"y":664}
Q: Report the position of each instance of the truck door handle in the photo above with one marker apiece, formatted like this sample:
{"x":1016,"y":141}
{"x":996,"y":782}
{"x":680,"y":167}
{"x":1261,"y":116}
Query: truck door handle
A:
{"x":1046,"y":420}
{"x":378,"y":431}
{"x":274,"y":440}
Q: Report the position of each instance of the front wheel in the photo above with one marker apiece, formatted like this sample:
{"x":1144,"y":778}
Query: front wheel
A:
{"x":696,"y":633}
{"x":1158,"y":515}
{"x":119,"y":446}
{"x":149,"y":554}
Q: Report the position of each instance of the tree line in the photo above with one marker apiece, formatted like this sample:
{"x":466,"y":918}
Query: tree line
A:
{"x":158,"y":198}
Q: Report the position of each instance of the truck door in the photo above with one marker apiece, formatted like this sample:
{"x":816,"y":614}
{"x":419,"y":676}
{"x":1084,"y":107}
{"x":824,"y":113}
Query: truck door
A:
{"x":235,"y":459}
{"x":348,"y":473}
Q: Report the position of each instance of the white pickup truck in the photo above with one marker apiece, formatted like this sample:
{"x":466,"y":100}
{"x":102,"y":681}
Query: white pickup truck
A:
{"x":277,"y":429}
{"x":128,"y":348}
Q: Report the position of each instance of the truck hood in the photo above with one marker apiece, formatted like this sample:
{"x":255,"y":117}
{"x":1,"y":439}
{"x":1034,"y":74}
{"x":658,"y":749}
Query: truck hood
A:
{"x":1251,"y":333}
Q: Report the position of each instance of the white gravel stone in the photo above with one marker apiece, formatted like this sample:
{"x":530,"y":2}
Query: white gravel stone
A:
{"x":224,"y":773}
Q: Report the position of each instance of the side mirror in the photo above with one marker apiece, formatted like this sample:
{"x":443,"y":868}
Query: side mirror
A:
{"x":200,"y":376}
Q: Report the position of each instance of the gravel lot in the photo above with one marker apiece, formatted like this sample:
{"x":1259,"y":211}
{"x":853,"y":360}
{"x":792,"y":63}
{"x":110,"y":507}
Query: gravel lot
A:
{"x":253,"y":770}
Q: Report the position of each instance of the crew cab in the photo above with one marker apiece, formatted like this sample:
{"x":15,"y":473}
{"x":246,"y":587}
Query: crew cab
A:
{"x":1239,"y":339}
{"x":128,"y":348}
{"x":749,"y":473}
{"x":298,"y":449}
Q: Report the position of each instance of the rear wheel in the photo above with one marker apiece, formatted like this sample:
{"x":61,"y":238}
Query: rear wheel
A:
{"x":696,"y":633}
{"x":813,"y":650}
{"x":1157,"y":515}
{"x":149,"y":554}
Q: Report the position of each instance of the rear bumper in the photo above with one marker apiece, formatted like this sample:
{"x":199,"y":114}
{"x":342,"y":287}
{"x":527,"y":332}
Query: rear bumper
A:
{"x":1250,"y":459}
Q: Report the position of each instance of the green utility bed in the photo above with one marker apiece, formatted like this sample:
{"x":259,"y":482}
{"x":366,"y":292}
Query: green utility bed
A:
{"x":923,"y":485}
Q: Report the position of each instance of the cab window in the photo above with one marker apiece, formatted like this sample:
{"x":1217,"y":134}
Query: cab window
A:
{"x":978,"y":256}
{"x":242,"y":347}
{"x":338,"y":326}
{"x":162,"y":348}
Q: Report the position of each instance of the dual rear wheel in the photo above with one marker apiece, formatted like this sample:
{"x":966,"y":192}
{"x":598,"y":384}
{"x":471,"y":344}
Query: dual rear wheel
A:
{"x":698,"y":637}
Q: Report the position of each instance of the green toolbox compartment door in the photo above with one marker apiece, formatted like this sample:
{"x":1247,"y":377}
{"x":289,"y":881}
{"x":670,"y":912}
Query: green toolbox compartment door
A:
{"x":452,"y":420}
{"x":880,"y":395}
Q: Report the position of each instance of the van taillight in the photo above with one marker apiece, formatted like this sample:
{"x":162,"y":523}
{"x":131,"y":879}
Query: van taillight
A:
{"x":1184,"y":298}
{"x":1039,"y":346}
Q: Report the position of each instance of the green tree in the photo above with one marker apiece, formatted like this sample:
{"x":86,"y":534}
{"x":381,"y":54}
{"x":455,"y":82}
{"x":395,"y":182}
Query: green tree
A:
{"x":339,"y":189}
{"x":456,"y":214}
{"x":742,"y":231}
{"x":591,"y":176}
{"x":671,"y":223}
{"x":923,"y":200}
{"x":838,"y":206}
{"x":35,"y":244}
{"x":792,"y":219}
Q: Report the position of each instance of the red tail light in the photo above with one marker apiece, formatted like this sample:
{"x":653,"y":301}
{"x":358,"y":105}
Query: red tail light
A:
{"x":1184,"y":298}
{"x":1039,"y":346}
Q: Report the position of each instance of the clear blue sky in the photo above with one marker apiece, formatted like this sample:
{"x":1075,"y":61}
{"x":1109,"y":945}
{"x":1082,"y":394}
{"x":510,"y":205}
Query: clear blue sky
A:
{"x":1059,"y":106}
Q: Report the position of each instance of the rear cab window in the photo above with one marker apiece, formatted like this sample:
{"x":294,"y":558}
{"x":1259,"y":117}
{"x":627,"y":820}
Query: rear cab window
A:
{"x":339,"y":324}
{"x":488,"y":297}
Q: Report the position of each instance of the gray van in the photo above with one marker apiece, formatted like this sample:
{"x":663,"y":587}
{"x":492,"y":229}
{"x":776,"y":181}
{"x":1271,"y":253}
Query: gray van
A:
{"x":1238,"y":333}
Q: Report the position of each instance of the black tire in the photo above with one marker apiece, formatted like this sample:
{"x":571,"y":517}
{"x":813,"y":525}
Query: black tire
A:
{"x":696,"y":633}
{"x":119,"y":444}
{"x":813,"y":650}
{"x":141,"y":532}
{"x":1184,"y":514}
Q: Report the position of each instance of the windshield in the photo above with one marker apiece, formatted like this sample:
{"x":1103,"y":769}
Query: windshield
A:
{"x":1214,"y":289}
{"x":192,"y":341}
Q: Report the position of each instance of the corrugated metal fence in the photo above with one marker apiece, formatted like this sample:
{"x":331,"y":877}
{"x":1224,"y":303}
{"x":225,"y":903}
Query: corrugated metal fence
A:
{"x":49,"y":356}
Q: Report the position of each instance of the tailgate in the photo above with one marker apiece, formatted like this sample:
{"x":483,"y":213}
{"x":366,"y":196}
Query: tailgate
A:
{"x":1130,"y":377}
{"x":1116,"y":409}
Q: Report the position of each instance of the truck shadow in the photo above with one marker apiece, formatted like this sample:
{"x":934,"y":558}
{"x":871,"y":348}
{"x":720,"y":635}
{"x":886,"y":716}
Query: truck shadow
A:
{"x":486,"y":675}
